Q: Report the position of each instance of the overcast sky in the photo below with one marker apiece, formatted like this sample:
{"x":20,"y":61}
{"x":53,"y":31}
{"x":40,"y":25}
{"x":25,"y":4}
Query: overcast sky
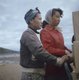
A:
{"x":12,"y":23}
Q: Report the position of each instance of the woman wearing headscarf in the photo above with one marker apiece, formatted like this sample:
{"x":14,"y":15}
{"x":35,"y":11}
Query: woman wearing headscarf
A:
{"x":52,"y":40}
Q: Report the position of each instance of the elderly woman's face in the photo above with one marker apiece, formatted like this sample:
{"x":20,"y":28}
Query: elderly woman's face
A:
{"x":55,"y":19}
{"x":37,"y":21}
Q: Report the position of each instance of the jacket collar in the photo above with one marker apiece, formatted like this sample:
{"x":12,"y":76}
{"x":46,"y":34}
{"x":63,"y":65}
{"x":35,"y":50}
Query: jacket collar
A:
{"x":34,"y":30}
{"x":49,"y":27}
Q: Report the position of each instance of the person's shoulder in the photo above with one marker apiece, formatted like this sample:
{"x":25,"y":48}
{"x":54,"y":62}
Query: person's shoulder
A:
{"x":26,"y":33}
{"x":44,"y":29}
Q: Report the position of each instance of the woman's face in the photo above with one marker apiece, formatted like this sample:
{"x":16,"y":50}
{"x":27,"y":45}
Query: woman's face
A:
{"x":55,"y":19}
{"x":37,"y":22}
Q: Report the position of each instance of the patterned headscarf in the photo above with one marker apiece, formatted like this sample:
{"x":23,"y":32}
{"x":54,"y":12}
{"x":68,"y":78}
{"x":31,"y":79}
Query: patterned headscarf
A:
{"x":48,"y":16}
{"x":31,"y":14}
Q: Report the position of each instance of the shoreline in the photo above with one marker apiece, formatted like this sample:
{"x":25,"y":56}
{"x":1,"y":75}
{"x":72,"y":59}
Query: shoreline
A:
{"x":10,"y":58}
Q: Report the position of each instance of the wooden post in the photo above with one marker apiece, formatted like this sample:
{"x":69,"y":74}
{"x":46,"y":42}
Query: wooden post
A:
{"x":75,"y":16}
{"x":76,"y":24}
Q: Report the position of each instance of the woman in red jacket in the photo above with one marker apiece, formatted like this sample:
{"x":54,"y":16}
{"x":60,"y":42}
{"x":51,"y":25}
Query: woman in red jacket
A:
{"x":52,"y":40}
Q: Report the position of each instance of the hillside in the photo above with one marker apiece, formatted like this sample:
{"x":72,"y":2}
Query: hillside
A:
{"x":7,"y":51}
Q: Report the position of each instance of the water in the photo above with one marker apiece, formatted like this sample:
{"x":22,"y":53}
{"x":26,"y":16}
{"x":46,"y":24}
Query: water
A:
{"x":10,"y":58}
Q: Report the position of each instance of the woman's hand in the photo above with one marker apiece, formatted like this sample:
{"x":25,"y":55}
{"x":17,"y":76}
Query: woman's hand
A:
{"x":60,"y":61}
{"x":70,"y":55}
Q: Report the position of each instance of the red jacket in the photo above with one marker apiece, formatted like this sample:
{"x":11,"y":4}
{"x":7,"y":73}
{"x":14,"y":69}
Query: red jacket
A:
{"x":53,"y":42}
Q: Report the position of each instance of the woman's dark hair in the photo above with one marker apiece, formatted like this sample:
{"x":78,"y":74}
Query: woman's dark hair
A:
{"x":57,"y":9}
{"x":38,"y":10}
{"x":44,"y":24}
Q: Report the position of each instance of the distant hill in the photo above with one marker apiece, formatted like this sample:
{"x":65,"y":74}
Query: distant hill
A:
{"x":8,"y":51}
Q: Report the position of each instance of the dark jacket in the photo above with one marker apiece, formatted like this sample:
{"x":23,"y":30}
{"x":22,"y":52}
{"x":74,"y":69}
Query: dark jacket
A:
{"x":32,"y":54}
